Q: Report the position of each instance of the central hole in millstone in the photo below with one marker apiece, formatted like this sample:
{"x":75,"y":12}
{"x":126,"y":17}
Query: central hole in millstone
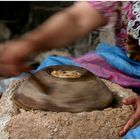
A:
{"x":66,"y":73}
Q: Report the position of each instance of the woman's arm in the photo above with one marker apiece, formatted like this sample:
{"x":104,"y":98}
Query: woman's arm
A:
{"x":61,"y":29}
{"x":67,"y":26}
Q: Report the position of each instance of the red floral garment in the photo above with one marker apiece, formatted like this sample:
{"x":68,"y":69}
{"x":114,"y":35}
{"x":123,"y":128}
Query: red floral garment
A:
{"x":127,"y":19}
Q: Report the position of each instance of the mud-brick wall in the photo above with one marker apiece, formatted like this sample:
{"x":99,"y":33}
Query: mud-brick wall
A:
{"x":21,"y":17}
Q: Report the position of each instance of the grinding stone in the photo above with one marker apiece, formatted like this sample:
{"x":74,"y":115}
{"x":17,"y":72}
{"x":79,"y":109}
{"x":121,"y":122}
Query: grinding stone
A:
{"x":85,"y":93}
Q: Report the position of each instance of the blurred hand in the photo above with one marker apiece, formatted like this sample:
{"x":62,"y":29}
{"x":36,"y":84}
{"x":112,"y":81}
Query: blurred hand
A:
{"x":13,"y":54}
{"x":134,"y":121}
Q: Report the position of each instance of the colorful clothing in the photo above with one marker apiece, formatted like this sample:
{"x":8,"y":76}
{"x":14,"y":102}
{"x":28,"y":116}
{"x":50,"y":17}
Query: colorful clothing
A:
{"x":104,"y":63}
{"x":127,"y":20}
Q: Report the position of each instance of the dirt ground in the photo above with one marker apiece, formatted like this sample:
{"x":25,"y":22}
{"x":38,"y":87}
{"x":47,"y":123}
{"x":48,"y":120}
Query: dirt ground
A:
{"x":39,"y":124}
{"x":96,"y":124}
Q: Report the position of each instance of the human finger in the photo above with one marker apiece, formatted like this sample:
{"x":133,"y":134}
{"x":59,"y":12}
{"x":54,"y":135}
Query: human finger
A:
{"x":131,"y":122}
{"x":130,"y":100}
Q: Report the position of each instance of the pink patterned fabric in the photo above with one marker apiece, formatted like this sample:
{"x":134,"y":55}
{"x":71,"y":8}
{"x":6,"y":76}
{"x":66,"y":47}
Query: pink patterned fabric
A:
{"x":101,"y":68}
{"x":105,"y":7}
{"x":128,"y":18}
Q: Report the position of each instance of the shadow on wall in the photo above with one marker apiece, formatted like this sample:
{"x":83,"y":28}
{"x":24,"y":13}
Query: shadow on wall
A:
{"x":17,"y":14}
{"x":14,"y":14}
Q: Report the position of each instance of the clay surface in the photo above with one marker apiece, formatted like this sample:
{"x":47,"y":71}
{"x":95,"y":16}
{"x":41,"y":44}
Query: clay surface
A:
{"x":95,"y":124}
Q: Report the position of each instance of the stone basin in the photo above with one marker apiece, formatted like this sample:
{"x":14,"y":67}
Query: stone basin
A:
{"x":63,"y":89}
